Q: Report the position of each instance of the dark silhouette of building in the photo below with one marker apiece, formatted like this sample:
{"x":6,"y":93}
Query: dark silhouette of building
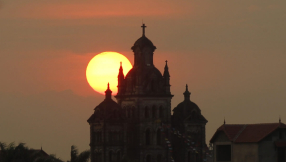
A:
{"x":250,"y":142}
{"x":140,"y":127}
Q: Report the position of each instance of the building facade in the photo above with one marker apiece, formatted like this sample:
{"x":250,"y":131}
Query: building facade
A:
{"x":139,"y":127}
{"x":250,"y":143}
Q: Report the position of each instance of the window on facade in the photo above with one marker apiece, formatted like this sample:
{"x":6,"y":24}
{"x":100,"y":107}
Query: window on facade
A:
{"x":128,"y":113}
{"x":146,"y":112}
{"x":98,"y":137}
{"x":118,"y":156}
{"x":154,"y":114}
{"x":133,"y":111}
{"x":223,"y":152}
{"x":98,"y":156}
{"x":110,"y":137}
{"x":110,"y":158}
{"x":148,"y":158}
{"x":159,"y":158}
{"x":147,"y":137}
{"x":161,"y":112}
{"x":159,"y":137}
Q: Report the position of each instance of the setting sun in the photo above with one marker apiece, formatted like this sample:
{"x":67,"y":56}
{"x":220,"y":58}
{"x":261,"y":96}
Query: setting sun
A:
{"x":104,"y":68}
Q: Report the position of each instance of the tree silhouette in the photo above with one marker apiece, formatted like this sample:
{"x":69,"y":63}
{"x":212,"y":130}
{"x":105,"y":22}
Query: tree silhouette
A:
{"x":82,"y":157}
{"x":21,"y":153}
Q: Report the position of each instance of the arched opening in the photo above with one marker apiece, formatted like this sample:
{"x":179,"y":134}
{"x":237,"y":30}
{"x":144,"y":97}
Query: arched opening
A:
{"x":159,"y":137}
{"x":110,"y":158}
{"x":154,"y":114}
{"x":147,"y":137}
{"x":189,"y":156}
{"x":148,"y":158}
{"x":110,"y":137}
{"x":133,"y":111}
{"x":146,"y":112}
{"x":128,"y":113}
{"x":161,"y":112}
{"x":159,"y":158}
{"x":118,"y":156}
{"x":98,"y":156}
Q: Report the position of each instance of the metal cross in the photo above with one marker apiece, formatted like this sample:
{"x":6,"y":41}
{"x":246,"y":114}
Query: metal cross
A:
{"x":143,"y":27}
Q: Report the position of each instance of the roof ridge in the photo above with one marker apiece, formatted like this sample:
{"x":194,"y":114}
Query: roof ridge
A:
{"x":270,"y":132}
{"x":240,"y":131}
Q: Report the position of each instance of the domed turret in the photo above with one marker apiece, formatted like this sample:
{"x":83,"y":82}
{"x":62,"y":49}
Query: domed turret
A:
{"x":144,"y":78}
{"x":187,"y":111}
{"x":107,"y":109}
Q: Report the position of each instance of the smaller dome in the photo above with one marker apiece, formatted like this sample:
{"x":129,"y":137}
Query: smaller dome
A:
{"x":187,"y":109}
{"x":143,"y":42}
{"x":107,"y":109}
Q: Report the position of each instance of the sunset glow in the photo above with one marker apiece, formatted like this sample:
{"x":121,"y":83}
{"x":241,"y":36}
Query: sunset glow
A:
{"x":104,"y":68}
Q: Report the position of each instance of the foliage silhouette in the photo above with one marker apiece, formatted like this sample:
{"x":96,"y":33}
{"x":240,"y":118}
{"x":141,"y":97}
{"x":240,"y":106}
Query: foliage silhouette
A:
{"x":82,"y":157}
{"x":21,"y":153}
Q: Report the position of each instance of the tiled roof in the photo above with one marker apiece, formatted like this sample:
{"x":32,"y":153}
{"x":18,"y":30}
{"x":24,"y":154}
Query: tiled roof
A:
{"x":240,"y":133}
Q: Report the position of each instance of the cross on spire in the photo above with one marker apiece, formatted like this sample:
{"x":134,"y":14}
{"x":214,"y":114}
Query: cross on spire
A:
{"x":143,"y":27}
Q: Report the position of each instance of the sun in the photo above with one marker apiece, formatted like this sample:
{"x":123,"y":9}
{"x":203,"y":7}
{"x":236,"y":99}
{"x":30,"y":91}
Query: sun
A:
{"x":103,"y":68}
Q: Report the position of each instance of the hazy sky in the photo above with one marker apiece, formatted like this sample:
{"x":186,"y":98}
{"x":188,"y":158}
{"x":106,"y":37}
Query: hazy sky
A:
{"x":232,"y":54}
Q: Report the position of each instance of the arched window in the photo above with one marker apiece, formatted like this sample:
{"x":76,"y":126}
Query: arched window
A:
{"x":147,"y":137}
{"x":159,"y":158}
{"x":154,"y":113}
{"x":119,"y":136}
{"x":148,"y":158}
{"x":110,"y":158}
{"x":128,"y":113}
{"x":98,"y":156}
{"x":189,"y":156}
{"x":159,"y":137}
{"x":161,"y":112}
{"x":118,"y":156}
{"x":110,"y":137}
{"x":146,"y":112}
{"x":133,"y":111}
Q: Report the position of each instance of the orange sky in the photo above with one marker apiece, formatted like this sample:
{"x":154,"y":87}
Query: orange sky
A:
{"x":231,"y":54}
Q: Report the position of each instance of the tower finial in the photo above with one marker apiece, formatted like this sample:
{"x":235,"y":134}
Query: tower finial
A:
{"x":223,"y":120}
{"x":187,"y":93}
{"x":143,"y":27}
{"x":187,"y":87}
{"x":108,"y":92}
{"x":279,"y":119}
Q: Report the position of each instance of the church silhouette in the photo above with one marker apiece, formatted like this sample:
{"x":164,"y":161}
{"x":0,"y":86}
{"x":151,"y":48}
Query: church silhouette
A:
{"x":139,"y":127}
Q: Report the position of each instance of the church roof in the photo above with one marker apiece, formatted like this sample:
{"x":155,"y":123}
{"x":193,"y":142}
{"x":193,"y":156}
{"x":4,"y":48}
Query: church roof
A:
{"x":143,"y":41}
{"x":107,"y":109}
{"x":184,"y":109}
{"x":244,"y":133}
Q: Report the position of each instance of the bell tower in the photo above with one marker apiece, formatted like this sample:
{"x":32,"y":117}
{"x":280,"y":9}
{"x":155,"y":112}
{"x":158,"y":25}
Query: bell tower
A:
{"x":144,"y":95}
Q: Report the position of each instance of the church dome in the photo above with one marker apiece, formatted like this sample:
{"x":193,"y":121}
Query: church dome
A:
{"x":107,"y":109}
{"x":143,"y":42}
{"x":187,"y":111}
